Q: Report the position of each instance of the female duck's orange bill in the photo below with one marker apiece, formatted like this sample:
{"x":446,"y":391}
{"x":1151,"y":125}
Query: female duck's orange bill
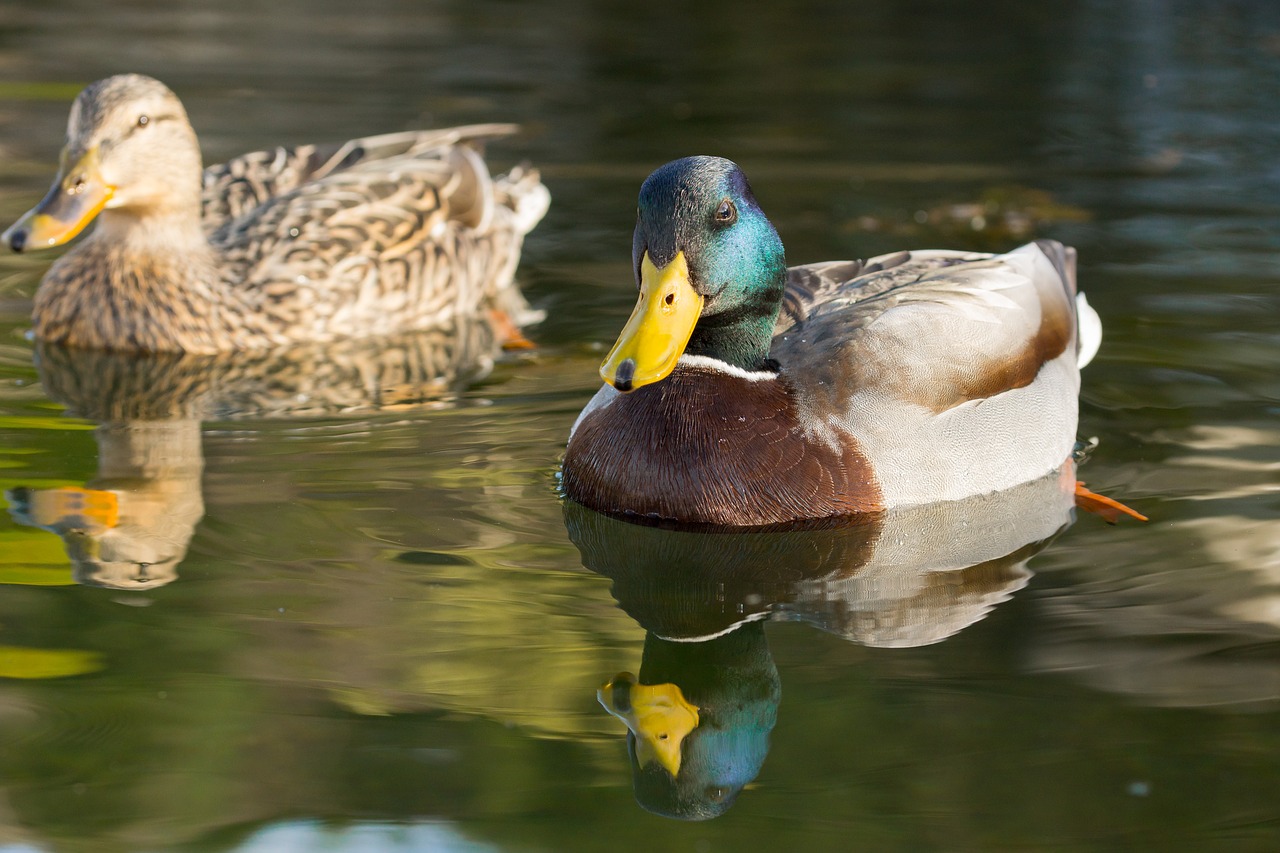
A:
{"x":77,"y":196}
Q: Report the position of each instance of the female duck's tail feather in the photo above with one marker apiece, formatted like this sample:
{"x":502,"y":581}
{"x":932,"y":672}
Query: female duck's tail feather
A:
{"x":522,"y":190}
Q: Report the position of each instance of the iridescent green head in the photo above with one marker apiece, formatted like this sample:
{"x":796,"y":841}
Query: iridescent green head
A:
{"x":711,"y":271}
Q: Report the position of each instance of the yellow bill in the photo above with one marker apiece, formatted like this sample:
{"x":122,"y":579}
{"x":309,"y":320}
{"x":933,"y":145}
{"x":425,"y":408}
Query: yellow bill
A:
{"x":78,"y":195}
{"x":657,"y":714}
{"x":658,"y":331}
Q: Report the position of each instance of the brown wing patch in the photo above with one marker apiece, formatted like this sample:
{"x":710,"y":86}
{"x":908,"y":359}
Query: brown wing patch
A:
{"x":708,"y":448}
{"x":1016,"y":369}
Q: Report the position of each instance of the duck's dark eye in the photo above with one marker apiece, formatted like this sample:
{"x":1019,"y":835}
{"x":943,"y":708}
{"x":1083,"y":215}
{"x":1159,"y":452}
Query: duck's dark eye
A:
{"x":143,"y":121}
{"x":726,"y":212}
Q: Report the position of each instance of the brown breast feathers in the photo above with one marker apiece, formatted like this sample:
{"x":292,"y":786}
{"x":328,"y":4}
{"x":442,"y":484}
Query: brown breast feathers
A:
{"x":706,"y":447}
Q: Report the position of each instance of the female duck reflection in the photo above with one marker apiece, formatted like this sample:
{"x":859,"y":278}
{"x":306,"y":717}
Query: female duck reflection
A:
{"x":130,"y":527}
{"x":700,"y":712}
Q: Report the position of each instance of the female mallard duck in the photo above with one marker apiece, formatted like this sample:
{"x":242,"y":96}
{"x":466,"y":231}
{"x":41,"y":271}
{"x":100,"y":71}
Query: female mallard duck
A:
{"x":378,"y":235}
{"x":745,"y":393}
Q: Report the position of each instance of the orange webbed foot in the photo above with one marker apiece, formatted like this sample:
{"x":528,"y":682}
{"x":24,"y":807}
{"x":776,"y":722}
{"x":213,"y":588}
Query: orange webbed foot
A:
{"x":1109,"y":509}
{"x":509,"y":334}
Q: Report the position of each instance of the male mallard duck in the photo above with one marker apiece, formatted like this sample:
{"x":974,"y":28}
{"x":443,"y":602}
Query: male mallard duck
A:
{"x":745,"y":393}
{"x":378,"y":235}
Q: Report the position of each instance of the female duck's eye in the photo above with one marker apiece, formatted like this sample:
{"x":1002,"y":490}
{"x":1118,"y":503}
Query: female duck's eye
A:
{"x":726,"y":212}
{"x":143,"y":121}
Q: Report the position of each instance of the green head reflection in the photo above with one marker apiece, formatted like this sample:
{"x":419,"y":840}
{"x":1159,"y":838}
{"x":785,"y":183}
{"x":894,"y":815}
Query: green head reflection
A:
{"x":704,"y":703}
{"x":699,"y":717}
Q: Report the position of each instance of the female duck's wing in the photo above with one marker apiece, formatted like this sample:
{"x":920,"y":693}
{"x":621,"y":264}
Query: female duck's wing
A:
{"x":241,"y":185}
{"x":382,"y":245}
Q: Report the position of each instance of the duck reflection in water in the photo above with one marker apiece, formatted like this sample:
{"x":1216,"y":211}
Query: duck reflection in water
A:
{"x":699,"y":717}
{"x":701,"y":710}
{"x":131,"y":526}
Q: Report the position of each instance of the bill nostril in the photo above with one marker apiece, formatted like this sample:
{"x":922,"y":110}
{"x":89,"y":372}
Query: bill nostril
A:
{"x":18,"y":240}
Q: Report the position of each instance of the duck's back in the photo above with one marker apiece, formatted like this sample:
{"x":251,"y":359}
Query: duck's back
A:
{"x":956,"y":373}
{"x":377,"y":236}
{"x":238,"y":187}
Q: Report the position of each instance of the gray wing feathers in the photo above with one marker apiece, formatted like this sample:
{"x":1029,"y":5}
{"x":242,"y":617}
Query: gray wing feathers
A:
{"x":920,"y":323}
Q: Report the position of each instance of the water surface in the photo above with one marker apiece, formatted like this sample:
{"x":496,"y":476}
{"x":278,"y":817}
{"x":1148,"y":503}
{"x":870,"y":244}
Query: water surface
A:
{"x":368,"y":623}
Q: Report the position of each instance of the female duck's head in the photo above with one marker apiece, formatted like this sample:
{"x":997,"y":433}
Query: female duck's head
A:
{"x":711,"y":271}
{"x":130,"y":149}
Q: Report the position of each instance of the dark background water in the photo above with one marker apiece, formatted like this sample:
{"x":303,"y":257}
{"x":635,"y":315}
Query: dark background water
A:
{"x":381,"y":637}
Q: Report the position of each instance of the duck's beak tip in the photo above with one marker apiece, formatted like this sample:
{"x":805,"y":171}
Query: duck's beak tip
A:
{"x":15,"y":238}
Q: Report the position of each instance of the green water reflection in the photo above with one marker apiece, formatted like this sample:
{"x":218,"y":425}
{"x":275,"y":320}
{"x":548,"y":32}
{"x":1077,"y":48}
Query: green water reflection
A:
{"x":379,"y":630}
{"x":898,"y":579}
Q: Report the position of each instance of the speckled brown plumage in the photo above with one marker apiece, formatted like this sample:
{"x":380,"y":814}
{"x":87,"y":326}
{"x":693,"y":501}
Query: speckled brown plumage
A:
{"x":303,"y":380}
{"x":372,"y":237}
